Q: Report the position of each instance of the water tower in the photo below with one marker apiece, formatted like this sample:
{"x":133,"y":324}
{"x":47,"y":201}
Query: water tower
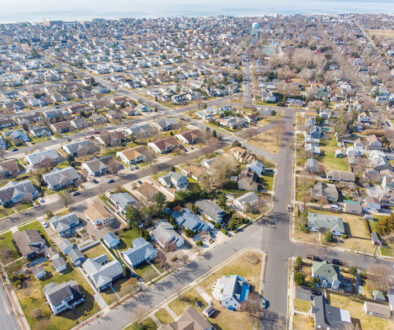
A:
{"x":255,"y":30}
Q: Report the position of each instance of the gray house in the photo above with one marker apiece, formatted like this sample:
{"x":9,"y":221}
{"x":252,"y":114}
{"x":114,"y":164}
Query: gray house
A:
{"x":324,"y":190}
{"x":329,"y":317}
{"x":102,"y":272}
{"x":324,"y":222}
{"x":43,"y":158}
{"x":122,"y":200}
{"x":211,"y":210}
{"x":141,"y":251}
{"x":165,"y":234}
{"x":76,"y":256}
{"x":64,"y":225}
{"x":60,"y":178}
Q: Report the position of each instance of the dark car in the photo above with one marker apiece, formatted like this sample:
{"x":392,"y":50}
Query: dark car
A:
{"x":337,"y":262}
{"x":316,"y":292}
{"x":15,"y":149}
{"x":76,"y":193}
{"x":94,"y":181}
{"x":199,"y":304}
{"x":111,"y":181}
{"x":264,"y":303}
{"x":139,"y":181}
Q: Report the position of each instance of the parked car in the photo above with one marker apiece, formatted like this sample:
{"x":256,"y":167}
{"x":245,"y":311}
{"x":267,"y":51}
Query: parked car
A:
{"x":76,"y":193}
{"x":337,"y":262}
{"x":264,"y":303}
{"x":199,"y":304}
{"x":335,"y":207}
{"x":44,"y":224}
{"x":111,"y":181}
{"x":15,"y":149}
{"x":94,"y":181}
{"x":316,"y":292}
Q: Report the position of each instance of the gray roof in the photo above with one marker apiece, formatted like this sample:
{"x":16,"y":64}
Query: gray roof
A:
{"x":166,"y":122}
{"x":56,"y":293}
{"x":74,"y":254}
{"x":142,"y":250}
{"x":325,"y":221}
{"x":76,"y":147}
{"x":122,"y":199}
{"x":250,"y":197}
{"x":61,"y":176}
{"x":27,"y":240}
{"x":65,"y":222}
{"x":58,"y":262}
{"x":212,"y":210}
{"x":64,"y":245}
{"x":15,"y":188}
{"x":165,"y":233}
{"x":327,"y":316}
{"x":141,"y":129}
{"x":38,"y":156}
{"x":110,"y":237}
{"x":102,"y":272}
{"x":327,"y":190}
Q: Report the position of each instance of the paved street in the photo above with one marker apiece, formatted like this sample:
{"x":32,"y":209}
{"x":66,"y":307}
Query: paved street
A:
{"x":7,"y":317}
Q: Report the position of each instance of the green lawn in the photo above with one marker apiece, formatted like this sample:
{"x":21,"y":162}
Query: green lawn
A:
{"x":146,"y":271}
{"x":149,"y":324}
{"x":329,"y":160}
{"x":188,"y":298}
{"x":268,"y":182}
{"x":96,"y":251}
{"x":8,"y":250}
{"x":36,"y":225}
{"x":37,"y":310}
{"x":126,"y":237}
{"x":163,"y":316}
{"x":302,"y":305}
{"x":4,"y":212}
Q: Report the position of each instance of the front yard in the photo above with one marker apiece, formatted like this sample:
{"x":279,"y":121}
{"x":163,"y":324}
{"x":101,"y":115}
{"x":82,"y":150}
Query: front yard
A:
{"x":269,"y":140}
{"x":329,"y":160}
{"x":8,"y":252}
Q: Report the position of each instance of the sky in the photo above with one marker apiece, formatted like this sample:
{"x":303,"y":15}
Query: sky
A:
{"x":35,"y":10}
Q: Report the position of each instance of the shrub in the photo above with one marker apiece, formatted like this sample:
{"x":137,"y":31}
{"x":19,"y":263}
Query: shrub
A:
{"x":299,"y":278}
{"x":329,"y":236}
{"x":304,"y":228}
{"x":199,"y":243}
{"x":299,"y":261}
{"x":224,"y":231}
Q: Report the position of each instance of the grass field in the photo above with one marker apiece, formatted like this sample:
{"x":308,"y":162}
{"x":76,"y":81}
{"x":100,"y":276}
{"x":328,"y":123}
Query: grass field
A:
{"x":37,"y":310}
{"x":355,"y":307}
{"x":126,"y":237}
{"x":302,"y":322}
{"x":269,"y":141}
{"x":163,"y":316}
{"x":8,"y":250}
{"x":96,"y":251}
{"x":122,"y":287}
{"x":188,"y":298}
{"x":381,"y":33}
{"x":146,"y":271}
{"x":329,"y":160}
{"x":302,"y":305}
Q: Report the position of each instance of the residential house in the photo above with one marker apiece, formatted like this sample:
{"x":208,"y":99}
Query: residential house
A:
{"x":378,"y":295}
{"x":142,"y":251}
{"x":80,"y":148}
{"x":387,"y":181}
{"x":329,"y":317}
{"x":248,"y":180}
{"x":165,"y":235}
{"x":207,"y":114}
{"x":164,"y":145}
{"x":315,"y":132}
{"x":39,"y":272}
{"x":65,"y":246}
{"x":101,"y":166}
{"x":363,"y":118}
{"x":63,"y":296}
{"x":39,"y":131}
{"x":311,"y":165}
{"x":61,"y":127}
{"x":165,"y":124}
{"x":341,"y":176}
{"x":97,"y":118}
{"x":242,"y":155}
{"x":378,"y":161}
{"x":80,"y":123}
{"x":9,"y":169}
{"x":190,"y":319}
{"x":114,"y":114}
{"x":189,"y":137}
{"x":327,"y":274}
{"x":250,"y":199}
{"x":17,"y":191}
{"x":4,"y":123}
{"x":174,"y":179}
{"x":231,"y":291}
{"x":358,"y":144}
{"x":59,"y":264}
{"x":29,"y":242}
{"x":110,"y":139}
{"x":60,"y":178}
{"x":122,"y":200}
{"x":18,"y":136}
{"x":146,"y":192}
{"x":233,"y":122}
{"x":111,"y":240}
{"x":140,"y":130}
{"x":44,"y":158}
{"x":211,"y":210}
{"x":195,"y":172}
{"x":190,"y":221}
{"x":3,"y":143}
{"x":143,"y":108}
{"x":64,"y":225}
{"x":98,"y":214}
{"x":371,"y":204}
{"x":324,"y":190}
{"x":76,"y":257}
{"x":377,"y":310}
{"x":102,"y":272}
{"x":132,"y":155}
{"x":352,"y":207}
{"x":257,"y":167}
{"x":373,"y":143}
{"x":323,"y":222}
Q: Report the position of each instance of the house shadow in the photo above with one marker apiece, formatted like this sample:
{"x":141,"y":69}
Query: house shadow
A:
{"x":81,"y":310}
{"x":356,"y":324}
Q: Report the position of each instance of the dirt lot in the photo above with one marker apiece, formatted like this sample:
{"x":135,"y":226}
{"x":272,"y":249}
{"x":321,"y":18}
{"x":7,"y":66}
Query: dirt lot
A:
{"x":269,"y":141}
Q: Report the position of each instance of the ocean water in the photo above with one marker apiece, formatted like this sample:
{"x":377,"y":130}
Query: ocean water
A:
{"x":37,"y":10}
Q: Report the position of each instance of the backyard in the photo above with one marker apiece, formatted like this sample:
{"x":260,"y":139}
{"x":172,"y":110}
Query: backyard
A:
{"x":8,"y":250}
{"x":329,"y":161}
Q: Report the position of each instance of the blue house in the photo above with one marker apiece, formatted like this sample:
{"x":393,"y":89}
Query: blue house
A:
{"x":111,"y":240}
{"x":18,"y":136}
{"x":141,"y":251}
{"x":3,"y":144}
{"x":231,"y":291}
{"x":188,"y":220}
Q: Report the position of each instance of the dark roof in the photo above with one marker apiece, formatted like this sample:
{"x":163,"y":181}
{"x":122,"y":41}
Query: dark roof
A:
{"x":24,"y":239}
{"x":56,"y":293}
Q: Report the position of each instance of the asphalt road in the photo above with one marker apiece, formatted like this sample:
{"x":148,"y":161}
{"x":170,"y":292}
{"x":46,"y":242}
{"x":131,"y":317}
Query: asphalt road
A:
{"x":7,"y":318}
